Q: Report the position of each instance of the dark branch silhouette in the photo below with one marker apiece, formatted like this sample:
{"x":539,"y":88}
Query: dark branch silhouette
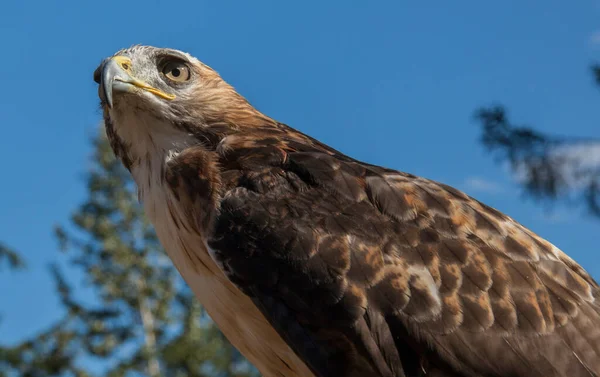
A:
{"x":11,"y":257}
{"x":548,"y":167}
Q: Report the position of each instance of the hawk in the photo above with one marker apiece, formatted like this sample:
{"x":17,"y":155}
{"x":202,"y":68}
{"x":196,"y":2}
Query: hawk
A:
{"x":313,"y":263}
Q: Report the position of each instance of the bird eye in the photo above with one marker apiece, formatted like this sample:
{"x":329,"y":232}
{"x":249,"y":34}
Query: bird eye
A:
{"x":176,"y":71}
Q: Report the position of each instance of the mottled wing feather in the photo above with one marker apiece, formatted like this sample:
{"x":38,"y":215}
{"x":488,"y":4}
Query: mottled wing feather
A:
{"x":367,"y":271}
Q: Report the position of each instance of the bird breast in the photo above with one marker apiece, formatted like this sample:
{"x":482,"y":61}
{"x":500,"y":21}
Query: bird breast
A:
{"x":234,"y":313}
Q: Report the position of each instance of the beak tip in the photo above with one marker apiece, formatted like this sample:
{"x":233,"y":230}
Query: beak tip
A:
{"x":109,"y":99}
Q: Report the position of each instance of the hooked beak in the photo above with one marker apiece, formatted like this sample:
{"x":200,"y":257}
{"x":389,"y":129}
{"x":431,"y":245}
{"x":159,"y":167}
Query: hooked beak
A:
{"x":114,"y":75}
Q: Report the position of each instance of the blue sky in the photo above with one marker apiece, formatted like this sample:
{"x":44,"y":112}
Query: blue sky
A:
{"x":392,"y":83}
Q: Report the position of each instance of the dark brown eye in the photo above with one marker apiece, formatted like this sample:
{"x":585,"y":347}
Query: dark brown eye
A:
{"x":176,"y":71}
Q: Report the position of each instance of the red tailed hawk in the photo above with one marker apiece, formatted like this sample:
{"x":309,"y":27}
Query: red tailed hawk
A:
{"x":313,"y":263}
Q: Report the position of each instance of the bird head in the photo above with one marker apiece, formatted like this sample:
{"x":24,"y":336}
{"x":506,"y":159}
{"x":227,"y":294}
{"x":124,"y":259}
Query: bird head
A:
{"x":154,"y":97}
{"x":170,"y":84}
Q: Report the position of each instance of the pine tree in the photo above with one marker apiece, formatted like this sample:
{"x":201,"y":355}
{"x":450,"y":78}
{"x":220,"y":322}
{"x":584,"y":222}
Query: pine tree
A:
{"x":51,"y":353}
